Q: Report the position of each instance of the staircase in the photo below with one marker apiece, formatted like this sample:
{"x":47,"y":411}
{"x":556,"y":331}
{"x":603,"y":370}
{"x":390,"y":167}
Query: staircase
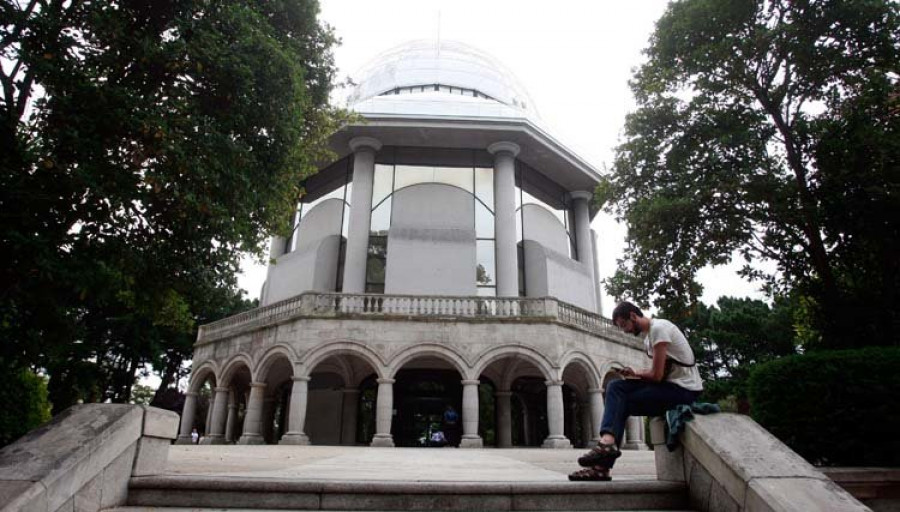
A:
{"x":174,"y":493}
{"x":383,"y":479}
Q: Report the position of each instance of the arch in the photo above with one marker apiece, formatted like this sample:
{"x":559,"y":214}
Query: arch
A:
{"x":199,"y":376}
{"x":429,"y":349}
{"x":232,"y":366}
{"x":269,"y":356}
{"x":515,"y":351}
{"x":314,"y":356}
{"x":337,"y":366}
{"x":443,"y":183}
{"x":579,"y":358}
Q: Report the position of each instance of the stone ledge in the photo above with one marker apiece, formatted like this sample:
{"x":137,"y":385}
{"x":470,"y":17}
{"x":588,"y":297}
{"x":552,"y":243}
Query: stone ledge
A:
{"x":800,"y":494}
{"x":160,"y":423}
{"x":737,"y":450}
{"x":731,"y":463}
{"x":69,"y":451}
{"x":83,"y":458}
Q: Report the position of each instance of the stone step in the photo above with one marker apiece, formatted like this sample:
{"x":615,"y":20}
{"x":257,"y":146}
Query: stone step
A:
{"x":194,"y":509}
{"x":279,"y":494}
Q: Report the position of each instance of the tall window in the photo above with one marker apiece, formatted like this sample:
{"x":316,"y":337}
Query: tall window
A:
{"x":534,"y":188}
{"x":333,"y":182}
{"x":478,"y":181}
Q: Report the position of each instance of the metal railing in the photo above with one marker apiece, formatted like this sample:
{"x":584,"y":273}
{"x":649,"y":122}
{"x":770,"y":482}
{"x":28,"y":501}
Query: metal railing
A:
{"x":328,"y":305}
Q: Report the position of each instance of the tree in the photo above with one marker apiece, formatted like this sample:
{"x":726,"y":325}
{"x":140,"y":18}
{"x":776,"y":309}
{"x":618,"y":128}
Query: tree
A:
{"x":24,"y":395}
{"x":735,"y":334}
{"x":141,"y":394}
{"x":146,"y":146}
{"x":744,"y":140}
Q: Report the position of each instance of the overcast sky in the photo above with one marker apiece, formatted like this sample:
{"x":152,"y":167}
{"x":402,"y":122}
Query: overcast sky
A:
{"x":574,"y":57}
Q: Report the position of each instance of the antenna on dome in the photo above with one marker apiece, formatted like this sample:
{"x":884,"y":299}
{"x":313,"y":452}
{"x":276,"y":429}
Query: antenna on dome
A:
{"x":437,"y":45}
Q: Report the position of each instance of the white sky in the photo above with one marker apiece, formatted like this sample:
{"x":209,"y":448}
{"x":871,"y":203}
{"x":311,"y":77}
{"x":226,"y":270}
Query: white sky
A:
{"x":574,"y":57}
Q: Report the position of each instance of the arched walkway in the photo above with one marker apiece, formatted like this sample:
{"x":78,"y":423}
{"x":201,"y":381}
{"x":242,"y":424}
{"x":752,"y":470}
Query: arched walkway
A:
{"x":527,"y":392}
{"x":197,"y":410}
{"x":335,"y":379}
{"x":582,"y":402}
{"x":430,"y":394}
{"x":229,"y":401}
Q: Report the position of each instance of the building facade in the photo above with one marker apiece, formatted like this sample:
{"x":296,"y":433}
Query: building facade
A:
{"x":444,"y":260}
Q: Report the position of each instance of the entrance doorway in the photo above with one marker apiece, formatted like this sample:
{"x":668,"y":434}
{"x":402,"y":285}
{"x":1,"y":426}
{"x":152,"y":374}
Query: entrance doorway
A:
{"x":420,"y":397}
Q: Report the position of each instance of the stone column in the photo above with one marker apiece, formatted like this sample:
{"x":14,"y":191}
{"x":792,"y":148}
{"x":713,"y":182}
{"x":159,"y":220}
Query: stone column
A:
{"x":583,"y":238}
{"x":268,"y":417}
{"x":504,"y":419}
{"x":297,"y":413}
{"x":350,"y":407}
{"x":505,"y":217}
{"x":587,"y":428}
{"x":669,"y":464}
{"x":188,"y":412}
{"x":230,"y":424}
{"x":384,"y":413}
{"x":216,"y":435}
{"x":596,"y":398}
{"x":470,"y":438}
{"x":364,"y":149}
{"x":555,"y":416}
{"x":207,"y":427}
{"x":633,"y":437}
{"x":253,"y":419}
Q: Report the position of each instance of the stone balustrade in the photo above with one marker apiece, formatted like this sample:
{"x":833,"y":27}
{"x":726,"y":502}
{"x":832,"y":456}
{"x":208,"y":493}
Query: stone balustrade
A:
{"x":413,"y":307}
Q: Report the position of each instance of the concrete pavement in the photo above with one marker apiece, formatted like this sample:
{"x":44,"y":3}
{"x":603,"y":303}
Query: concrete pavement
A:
{"x":345,"y":463}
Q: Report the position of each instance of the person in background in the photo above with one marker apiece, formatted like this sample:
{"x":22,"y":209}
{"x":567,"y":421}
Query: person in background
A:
{"x":450,"y":426}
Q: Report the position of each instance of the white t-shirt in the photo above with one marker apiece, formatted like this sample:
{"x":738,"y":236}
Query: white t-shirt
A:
{"x":678,"y":349}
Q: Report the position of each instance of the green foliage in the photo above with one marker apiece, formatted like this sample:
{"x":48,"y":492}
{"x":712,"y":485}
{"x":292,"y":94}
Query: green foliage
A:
{"x":147,"y":146}
{"x":25,"y":405}
{"x":141,"y":394}
{"x":832,"y":407}
{"x":729,"y":338}
{"x":770,"y":129}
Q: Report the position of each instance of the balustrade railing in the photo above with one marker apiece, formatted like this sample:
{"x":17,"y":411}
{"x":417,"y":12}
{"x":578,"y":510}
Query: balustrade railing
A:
{"x":377,"y":305}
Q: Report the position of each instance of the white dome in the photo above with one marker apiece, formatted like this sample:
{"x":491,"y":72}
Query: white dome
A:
{"x":438,"y":69}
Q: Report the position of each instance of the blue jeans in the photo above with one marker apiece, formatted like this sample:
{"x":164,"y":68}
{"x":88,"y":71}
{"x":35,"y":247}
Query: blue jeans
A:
{"x":636,"y":397}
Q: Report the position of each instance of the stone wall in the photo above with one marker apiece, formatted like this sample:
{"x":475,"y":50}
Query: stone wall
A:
{"x":732,"y":464}
{"x":83,"y":458}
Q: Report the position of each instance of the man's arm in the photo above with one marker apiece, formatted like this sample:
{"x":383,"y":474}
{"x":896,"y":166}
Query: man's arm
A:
{"x":658,"y":370}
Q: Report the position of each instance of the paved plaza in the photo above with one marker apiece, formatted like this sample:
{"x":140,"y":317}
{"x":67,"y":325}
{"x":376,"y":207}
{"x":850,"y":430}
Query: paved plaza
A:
{"x":344,"y":463}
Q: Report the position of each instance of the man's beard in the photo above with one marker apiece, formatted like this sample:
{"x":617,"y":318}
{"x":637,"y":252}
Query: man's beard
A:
{"x":635,"y":330}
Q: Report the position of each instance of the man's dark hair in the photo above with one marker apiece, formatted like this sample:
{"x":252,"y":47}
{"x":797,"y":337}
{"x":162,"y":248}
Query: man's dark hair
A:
{"x":624,"y":310}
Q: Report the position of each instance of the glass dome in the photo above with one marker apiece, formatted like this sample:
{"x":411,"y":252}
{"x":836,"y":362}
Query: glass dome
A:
{"x":433,"y":69}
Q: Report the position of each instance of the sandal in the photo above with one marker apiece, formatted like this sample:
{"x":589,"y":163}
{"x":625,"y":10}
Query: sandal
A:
{"x":590,"y":475}
{"x":602,"y":455}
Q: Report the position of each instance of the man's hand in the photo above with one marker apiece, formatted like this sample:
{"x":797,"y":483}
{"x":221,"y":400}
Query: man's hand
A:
{"x":627,"y":372}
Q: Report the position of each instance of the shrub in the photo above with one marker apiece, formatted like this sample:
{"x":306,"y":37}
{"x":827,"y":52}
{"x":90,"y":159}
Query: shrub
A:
{"x":25,"y":404}
{"x":832,"y":407}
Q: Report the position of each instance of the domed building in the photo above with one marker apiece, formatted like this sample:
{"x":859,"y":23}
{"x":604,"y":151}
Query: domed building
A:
{"x":444,"y":261}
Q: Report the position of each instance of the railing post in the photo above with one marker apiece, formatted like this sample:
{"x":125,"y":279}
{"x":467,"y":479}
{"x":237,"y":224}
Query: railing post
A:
{"x":551,"y":308}
{"x":308,"y":303}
